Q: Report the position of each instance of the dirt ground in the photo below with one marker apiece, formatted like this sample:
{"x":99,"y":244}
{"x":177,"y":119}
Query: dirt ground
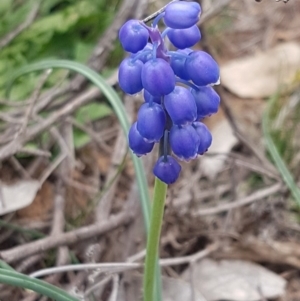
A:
{"x":231,"y":226}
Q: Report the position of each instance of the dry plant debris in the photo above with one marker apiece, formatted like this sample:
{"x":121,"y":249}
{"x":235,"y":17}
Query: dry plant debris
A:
{"x":240,"y":206}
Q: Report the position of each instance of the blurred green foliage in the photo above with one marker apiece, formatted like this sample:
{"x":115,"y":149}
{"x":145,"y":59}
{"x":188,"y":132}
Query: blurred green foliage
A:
{"x":65,"y":29}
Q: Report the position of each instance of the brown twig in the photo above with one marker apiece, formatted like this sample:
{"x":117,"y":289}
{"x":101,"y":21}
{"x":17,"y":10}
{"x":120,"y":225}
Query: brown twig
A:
{"x":71,"y":237}
{"x":256,"y":196}
{"x":15,"y":145}
{"x":123,"y":266}
{"x":34,"y":99}
{"x":94,"y":136}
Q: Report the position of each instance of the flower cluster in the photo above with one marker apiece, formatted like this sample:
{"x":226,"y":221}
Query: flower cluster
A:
{"x":177,"y":87}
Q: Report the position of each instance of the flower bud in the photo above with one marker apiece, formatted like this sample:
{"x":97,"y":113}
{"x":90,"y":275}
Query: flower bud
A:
{"x":184,"y":142}
{"x":207,"y":101}
{"x":137,"y":143}
{"x":133,"y":36}
{"x":158,"y":77}
{"x":182,"y":14}
{"x":202,"y":68}
{"x":130,"y":76}
{"x":151,"y":121}
{"x":184,"y":38}
{"x":181,"y":106}
{"x":167,"y":169}
{"x":205,"y":137}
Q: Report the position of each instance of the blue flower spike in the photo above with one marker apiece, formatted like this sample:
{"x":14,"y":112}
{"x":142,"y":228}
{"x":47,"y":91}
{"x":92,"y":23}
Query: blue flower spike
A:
{"x":176,"y":86}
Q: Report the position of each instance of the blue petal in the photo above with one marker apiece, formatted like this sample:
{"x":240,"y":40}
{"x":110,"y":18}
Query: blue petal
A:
{"x":151,"y":121}
{"x":167,"y":169}
{"x":137,"y":143}
{"x":184,"y":142}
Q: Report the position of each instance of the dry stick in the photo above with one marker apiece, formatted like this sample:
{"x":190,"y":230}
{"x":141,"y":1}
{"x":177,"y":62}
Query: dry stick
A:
{"x":66,"y":168}
{"x":15,"y":145}
{"x":97,"y":286}
{"x":29,"y":20}
{"x":242,"y":161}
{"x":52,"y":167}
{"x":256,"y":196}
{"x":21,"y":136}
{"x":260,"y":156}
{"x":124,"y":266}
{"x":18,"y":167}
{"x":35,"y":152}
{"x":71,"y":237}
{"x":115,"y":288}
{"x":28,"y":262}
{"x":62,"y":255}
{"x":134,"y":198}
{"x":14,"y":103}
{"x":105,"y":203}
{"x":59,"y":224}
{"x":94,"y":136}
{"x":35,"y":97}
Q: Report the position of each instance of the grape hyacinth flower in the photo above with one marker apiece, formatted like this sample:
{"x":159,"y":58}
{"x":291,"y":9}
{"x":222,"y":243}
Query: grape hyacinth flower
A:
{"x":177,"y":87}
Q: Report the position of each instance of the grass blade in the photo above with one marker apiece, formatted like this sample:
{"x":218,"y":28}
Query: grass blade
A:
{"x":280,"y":164}
{"x":19,"y":280}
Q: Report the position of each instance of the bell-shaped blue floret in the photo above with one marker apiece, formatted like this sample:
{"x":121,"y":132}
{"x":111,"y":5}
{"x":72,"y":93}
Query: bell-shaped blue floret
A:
{"x":207,"y":101}
{"x":133,"y":36}
{"x":181,"y":106}
{"x":137,"y":143}
{"x":203,"y":70}
{"x":158,"y":77}
{"x":205,"y":137}
{"x":167,"y":169}
{"x":184,"y":38}
{"x":130,"y":76}
{"x":150,"y":98}
{"x":184,"y":142}
{"x":178,"y":63}
{"x":182,"y":14}
{"x":151,"y":121}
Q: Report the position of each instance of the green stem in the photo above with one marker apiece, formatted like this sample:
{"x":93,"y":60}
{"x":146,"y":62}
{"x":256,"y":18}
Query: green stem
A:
{"x":160,"y":191}
{"x":39,"y":286}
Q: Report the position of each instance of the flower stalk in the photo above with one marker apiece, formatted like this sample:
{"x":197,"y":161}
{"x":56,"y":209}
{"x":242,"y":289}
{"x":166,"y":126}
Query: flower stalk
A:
{"x":156,"y":219}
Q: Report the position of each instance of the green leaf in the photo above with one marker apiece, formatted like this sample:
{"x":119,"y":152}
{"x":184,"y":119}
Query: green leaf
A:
{"x":80,"y":138}
{"x":16,"y":279}
{"x":92,"y":112}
